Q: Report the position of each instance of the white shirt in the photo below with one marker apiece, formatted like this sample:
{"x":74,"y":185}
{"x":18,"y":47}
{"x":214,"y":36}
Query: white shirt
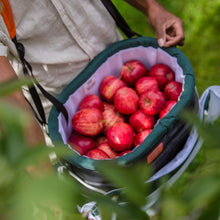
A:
{"x":60,"y":38}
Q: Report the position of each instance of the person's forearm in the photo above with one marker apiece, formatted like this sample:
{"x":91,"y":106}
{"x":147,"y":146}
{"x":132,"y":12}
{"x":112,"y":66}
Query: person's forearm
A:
{"x":150,"y":8}
{"x":169,"y":28}
{"x":143,"y":5}
{"x":33,"y":133}
{"x":6,"y":70}
{"x":7,"y":73}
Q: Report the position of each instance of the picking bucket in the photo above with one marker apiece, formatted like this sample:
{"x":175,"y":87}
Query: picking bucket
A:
{"x":109,"y":62}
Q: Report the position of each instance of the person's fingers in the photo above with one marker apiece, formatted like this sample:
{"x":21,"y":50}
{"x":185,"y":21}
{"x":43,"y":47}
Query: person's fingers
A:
{"x":174,"y":34}
{"x":174,"y":41}
{"x":161,"y":36}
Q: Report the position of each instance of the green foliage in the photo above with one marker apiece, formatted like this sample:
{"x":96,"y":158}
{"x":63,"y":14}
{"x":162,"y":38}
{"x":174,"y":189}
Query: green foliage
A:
{"x":197,"y":194}
{"x":24,"y":195}
{"x":133,"y":190}
{"x":10,"y":86}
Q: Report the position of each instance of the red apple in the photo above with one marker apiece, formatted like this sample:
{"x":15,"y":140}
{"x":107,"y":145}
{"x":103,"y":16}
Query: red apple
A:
{"x":97,"y":154}
{"x":131,"y":71}
{"x":139,"y":137}
{"x":91,"y":101}
{"x":105,"y":147}
{"x":146,"y":83}
{"x":107,"y":105}
{"x":152,"y":102}
{"x":168,"y":105}
{"x":88,"y":121}
{"x":81,"y":143}
{"x":120,"y":136}
{"x":126,"y":100}
{"x":100,"y":139}
{"x":140,"y":121}
{"x":172,"y":90}
{"x":162,"y":73}
{"x":109,"y":86}
{"x":110,"y":117}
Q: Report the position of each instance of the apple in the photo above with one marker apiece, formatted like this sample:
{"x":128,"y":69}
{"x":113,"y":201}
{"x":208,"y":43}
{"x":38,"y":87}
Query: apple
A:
{"x":172,"y":90}
{"x":131,"y":71}
{"x":82,"y":144}
{"x":105,"y":147}
{"x":97,"y":154}
{"x":108,"y":86}
{"x":168,"y":105}
{"x":110,"y":117}
{"x":152,"y":102}
{"x":107,"y":105}
{"x":126,"y":100}
{"x":146,"y":83}
{"x":100,"y":139}
{"x":91,"y":101}
{"x":139,"y":137}
{"x":140,"y":121}
{"x":120,"y":136}
{"x":88,"y":121}
{"x":162,"y":73}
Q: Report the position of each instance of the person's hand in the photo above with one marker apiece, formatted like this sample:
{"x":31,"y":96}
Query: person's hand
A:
{"x":168,"y":27}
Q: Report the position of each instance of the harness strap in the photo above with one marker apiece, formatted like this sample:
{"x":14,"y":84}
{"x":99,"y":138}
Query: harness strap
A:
{"x":33,"y":92}
{"x":8,"y":17}
{"x":121,"y":23}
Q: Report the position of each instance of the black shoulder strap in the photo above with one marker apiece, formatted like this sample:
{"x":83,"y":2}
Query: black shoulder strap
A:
{"x":27,"y":69}
{"x":121,"y":23}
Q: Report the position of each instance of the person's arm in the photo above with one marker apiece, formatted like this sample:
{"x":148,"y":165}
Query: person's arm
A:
{"x":168,"y":27}
{"x":33,"y":132}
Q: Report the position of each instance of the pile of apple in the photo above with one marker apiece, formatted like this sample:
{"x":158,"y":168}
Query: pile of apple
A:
{"x":123,"y":115}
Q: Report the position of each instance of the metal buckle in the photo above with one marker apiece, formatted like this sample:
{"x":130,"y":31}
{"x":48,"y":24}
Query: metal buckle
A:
{"x":45,"y":129}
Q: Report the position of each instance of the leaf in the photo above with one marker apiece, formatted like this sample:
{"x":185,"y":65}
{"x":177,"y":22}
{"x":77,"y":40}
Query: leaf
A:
{"x":46,"y":194}
{"x":211,"y":211}
{"x":10,"y":86}
{"x":202,"y":190}
{"x":108,"y":207}
{"x":209,"y":132}
{"x":132,"y":179}
{"x":172,"y":207}
{"x":11,"y":114}
{"x":12,"y":138}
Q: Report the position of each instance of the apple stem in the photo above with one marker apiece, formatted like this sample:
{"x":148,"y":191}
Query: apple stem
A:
{"x":129,"y":67}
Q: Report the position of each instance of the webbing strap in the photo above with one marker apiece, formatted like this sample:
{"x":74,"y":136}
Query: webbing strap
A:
{"x":34,"y":94}
{"x":6,"y":13}
{"x":121,"y":23}
{"x":27,"y":69}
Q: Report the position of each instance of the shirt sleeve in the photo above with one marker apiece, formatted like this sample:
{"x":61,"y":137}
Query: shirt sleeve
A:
{"x":3,"y":50}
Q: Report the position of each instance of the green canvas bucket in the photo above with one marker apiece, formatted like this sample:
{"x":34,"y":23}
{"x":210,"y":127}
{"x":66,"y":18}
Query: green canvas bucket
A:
{"x":109,"y":61}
